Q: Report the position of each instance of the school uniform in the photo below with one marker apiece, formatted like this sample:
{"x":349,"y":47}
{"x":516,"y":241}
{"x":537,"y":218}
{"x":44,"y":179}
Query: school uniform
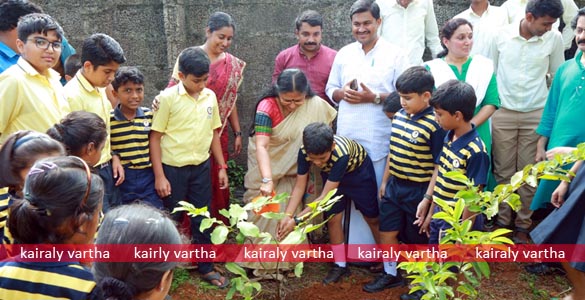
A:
{"x":51,"y":280}
{"x":29,"y":100}
{"x":82,"y":95}
{"x":129,"y":140}
{"x":349,"y":165}
{"x":4,"y":200}
{"x":415,"y":146}
{"x":467,"y":154}
{"x":187,"y":125}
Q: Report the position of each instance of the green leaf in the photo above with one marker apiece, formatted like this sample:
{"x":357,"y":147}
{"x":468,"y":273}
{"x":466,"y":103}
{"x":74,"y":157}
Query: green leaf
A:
{"x":248,"y":229}
{"x":206,"y":224}
{"x":459,"y":177}
{"x":219,"y":235}
{"x":516,"y":180}
{"x":224,"y":212}
{"x":240,"y":238}
{"x":266,"y":238}
{"x":299,"y":269}
{"x":273,"y":215}
{"x":293,"y":238}
{"x":458,"y":212}
{"x":514,"y":201}
{"x":236,"y":269}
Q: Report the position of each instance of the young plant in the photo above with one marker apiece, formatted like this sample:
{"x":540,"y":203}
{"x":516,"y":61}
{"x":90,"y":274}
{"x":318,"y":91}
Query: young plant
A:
{"x":459,"y":279}
{"x":242,"y":228}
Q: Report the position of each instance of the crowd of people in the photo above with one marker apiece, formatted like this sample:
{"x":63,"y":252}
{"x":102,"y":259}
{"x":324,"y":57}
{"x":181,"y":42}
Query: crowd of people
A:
{"x":371,"y":120}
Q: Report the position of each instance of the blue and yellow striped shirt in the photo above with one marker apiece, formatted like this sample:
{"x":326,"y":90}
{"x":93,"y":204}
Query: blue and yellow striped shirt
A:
{"x":55,"y":280}
{"x":415,"y":145}
{"x":4,"y":204}
{"x":347,"y":156}
{"x":129,"y":138}
{"x":466,"y":154}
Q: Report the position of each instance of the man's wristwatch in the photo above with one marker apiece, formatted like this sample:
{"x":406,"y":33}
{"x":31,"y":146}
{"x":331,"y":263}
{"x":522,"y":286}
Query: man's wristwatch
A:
{"x":266,"y":180}
{"x":377,"y":100}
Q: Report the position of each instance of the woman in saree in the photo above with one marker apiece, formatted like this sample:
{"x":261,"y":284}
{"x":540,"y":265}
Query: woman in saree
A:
{"x":225,"y":76}
{"x":456,"y":63}
{"x":281,"y":115}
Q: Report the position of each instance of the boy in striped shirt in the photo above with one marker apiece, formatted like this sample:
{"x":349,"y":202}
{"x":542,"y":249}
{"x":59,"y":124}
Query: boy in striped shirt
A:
{"x":129,"y":130}
{"x":463,"y":150}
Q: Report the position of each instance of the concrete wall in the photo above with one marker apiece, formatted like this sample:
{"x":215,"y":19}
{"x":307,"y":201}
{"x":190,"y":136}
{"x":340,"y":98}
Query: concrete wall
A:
{"x":153,"y":32}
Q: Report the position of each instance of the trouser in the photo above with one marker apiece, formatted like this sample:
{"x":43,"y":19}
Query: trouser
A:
{"x":514,"y":146}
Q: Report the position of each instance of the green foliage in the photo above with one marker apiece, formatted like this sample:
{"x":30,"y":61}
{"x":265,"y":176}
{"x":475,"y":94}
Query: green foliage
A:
{"x":457,"y":279}
{"x":180,"y":276}
{"x":236,"y":175}
{"x":243,"y":230}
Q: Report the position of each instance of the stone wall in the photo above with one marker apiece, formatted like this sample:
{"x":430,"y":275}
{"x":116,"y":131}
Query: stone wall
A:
{"x":153,"y":32}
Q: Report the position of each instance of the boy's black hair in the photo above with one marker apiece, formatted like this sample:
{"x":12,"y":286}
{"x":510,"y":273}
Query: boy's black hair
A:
{"x":194,"y":61}
{"x":580,"y":13}
{"x":361,"y":6}
{"x":392,"y":103}
{"x":72,"y":65}
{"x":37,"y":23}
{"x":317,"y":138}
{"x":415,"y":79}
{"x":12,"y":10}
{"x":541,"y":8}
{"x":453,"y":96}
{"x":310,"y":17}
{"x":126,"y":74}
{"x":101,"y":49}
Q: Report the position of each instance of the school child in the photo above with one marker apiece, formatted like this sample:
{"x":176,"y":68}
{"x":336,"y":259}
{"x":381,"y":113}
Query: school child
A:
{"x":391,"y":105}
{"x":129,"y":129}
{"x":136,"y":224}
{"x":462,"y":150}
{"x":31,"y":95}
{"x":61,"y":204}
{"x":344,"y":165}
{"x":187,"y":118}
{"x":83,"y":134}
{"x":18,"y":153}
{"x":415,"y":145}
{"x":101,"y":56}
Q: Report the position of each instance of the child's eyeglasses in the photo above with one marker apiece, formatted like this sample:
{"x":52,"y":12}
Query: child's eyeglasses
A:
{"x":44,"y":44}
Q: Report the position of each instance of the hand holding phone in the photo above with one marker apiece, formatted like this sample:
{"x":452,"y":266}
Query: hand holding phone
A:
{"x":353,"y":85}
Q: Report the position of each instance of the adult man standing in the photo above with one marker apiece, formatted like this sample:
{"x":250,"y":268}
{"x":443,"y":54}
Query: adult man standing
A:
{"x":308,"y":55}
{"x":363,"y":73}
{"x":516,"y":8}
{"x":484,"y":18}
{"x":523,"y":53}
{"x":409,"y":23}
{"x":10,"y":13}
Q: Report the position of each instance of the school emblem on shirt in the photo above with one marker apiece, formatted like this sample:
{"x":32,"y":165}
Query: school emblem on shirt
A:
{"x":209,"y":112}
{"x":146,"y":125}
{"x":415,"y":134}
{"x":456,"y":163}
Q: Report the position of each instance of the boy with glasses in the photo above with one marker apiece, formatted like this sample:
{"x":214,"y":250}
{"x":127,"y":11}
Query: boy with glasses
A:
{"x":31,"y":96}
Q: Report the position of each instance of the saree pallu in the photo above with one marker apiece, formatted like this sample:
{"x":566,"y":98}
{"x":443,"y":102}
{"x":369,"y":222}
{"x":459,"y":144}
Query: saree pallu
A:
{"x":285,"y":142}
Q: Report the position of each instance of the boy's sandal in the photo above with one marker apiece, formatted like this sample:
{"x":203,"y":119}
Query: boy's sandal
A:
{"x":215,"y":276}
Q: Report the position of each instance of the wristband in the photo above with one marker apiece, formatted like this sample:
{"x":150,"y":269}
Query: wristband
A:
{"x":237,"y":133}
{"x":428,"y":197}
{"x":297,"y":220}
{"x":266,"y":180}
{"x":223,"y":167}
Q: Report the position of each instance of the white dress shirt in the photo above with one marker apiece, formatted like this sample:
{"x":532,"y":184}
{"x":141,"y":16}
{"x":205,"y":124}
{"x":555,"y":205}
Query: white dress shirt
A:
{"x":491,"y":19}
{"x":521,"y":66}
{"x":410,"y":27}
{"x":366,"y":123}
{"x":516,"y":10}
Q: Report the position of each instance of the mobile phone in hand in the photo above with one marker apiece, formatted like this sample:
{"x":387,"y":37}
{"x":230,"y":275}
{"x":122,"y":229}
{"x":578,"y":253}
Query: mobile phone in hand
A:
{"x":354,"y":85}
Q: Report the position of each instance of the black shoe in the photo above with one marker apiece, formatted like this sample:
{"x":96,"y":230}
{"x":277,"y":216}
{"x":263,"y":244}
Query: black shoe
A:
{"x":414,"y":296}
{"x":336,"y":273}
{"x":545,"y":269}
{"x":382,"y":282}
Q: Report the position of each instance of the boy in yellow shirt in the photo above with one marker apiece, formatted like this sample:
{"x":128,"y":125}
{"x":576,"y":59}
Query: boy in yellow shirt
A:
{"x":101,"y":57}
{"x":182,"y":133}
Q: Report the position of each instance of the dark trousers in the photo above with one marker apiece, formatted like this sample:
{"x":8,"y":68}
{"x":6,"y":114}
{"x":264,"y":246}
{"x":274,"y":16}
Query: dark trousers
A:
{"x":111,"y":193}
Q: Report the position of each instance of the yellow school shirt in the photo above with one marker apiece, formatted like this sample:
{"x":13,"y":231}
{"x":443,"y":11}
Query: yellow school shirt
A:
{"x":29,"y":100}
{"x":187,"y":125}
{"x":82,"y":95}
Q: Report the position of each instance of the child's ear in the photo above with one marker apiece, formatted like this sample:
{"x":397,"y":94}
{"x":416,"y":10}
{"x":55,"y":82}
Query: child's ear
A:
{"x":426,"y":96}
{"x":20,"y":46}
{"x":181,"y":76}
{"x":333,"y":146}
{"x":115,"y":94}
{"x":87,"y":66}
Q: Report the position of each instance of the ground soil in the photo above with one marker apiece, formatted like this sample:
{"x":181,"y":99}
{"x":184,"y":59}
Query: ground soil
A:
{"x":508,"y":281}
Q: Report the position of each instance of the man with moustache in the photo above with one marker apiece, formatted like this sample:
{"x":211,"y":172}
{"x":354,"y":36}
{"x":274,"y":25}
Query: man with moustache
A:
{"x":308,"y":55}
{"x":523,"y":53}
{"x":363,"y":73}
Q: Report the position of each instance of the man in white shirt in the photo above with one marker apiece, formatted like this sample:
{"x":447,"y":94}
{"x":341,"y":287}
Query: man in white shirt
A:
{"x":523,"y":53}
{"x":517,"y":8}
{"x":409,"y":23}
{"x":484,"y":18}
{"x":374,"y":64}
